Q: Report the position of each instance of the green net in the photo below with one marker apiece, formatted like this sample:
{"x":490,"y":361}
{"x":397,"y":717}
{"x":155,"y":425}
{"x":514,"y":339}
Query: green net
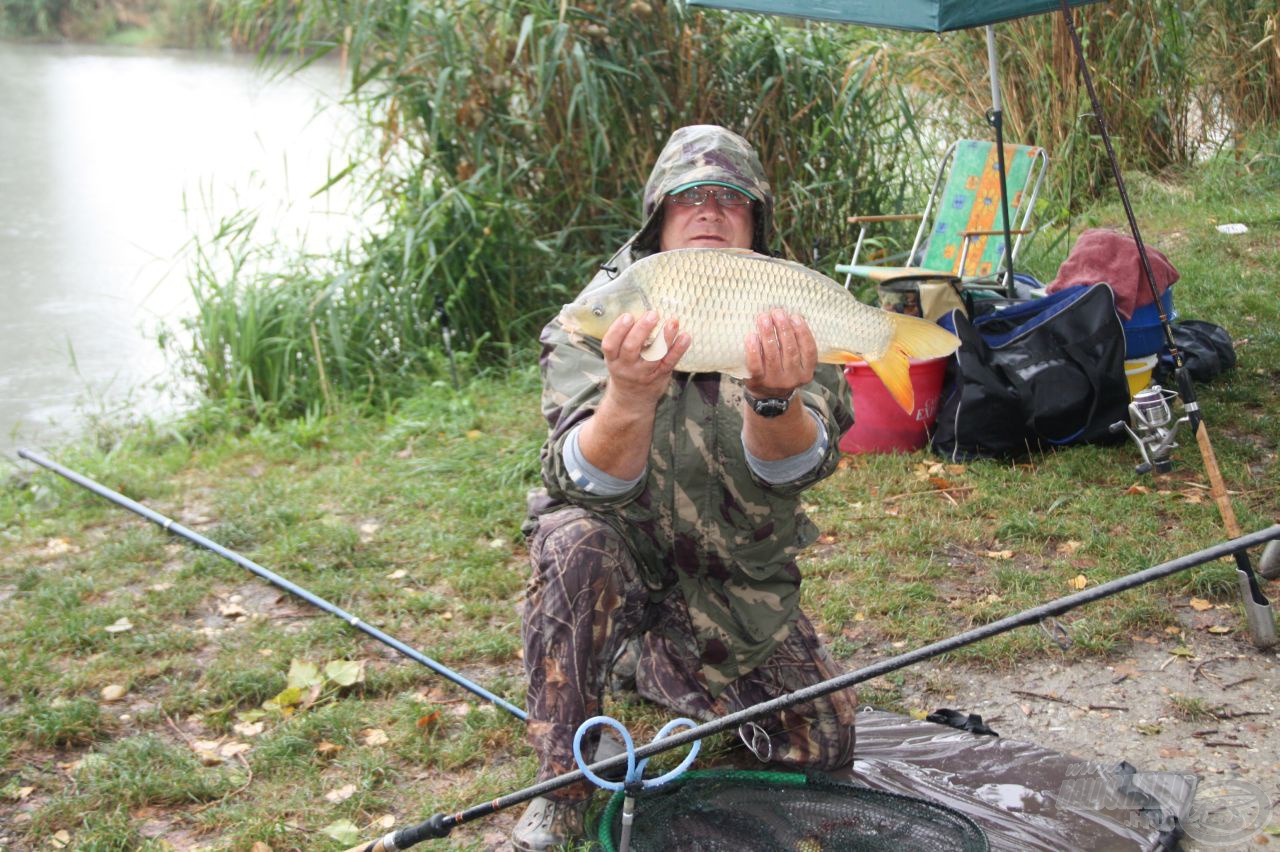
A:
{"x":737,"y":810}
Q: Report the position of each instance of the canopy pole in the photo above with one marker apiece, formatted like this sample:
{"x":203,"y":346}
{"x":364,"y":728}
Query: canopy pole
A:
{"x":996,"y":119}
{"x":1262,"y":625}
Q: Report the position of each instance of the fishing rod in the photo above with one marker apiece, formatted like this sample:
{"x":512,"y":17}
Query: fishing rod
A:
{"x":169,"y":525}
{"x":1262,"y":625}
{"x":439,"y":825}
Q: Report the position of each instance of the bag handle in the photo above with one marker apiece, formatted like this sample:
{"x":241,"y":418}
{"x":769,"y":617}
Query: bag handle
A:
{"x":1072,"y":352}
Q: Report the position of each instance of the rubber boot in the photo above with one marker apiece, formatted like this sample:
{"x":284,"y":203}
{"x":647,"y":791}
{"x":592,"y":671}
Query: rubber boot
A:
{"x":548,"y":824}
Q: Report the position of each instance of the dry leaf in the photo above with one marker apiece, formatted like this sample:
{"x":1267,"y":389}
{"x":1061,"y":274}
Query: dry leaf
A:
{"x":60,"y":840}
{"x":998,"y":554}
{"x":341,"y":794}
{"x":1067,"y":548}
{"x":993,"y":598}
{"x":248,"y":729}
{"x":1078,"y":582}
{"x":160,"y":587}
{"x":1219,"y":629}
{"x":941,"y":484}
{"x":344,"y":831}
{"x":1200,"y":604}
{"x":1137,"y":489}
{"x":474,"y":434}
{"x":388,"y":821}
{"x":1173,"y":631}
{"x":231,"y":610}
{"x":120,"y":626}
{"x":259,"y":846}
{"x":498,"y":543}
{"x":428,"y":723}
{"x":233,"y":748}
{"x":59,"y":546}
{"x":398,"y":574}
{"x":374,"y":737}
{"x":327,"y":748}
{"x":113,"y":692}
{"x":21,"y":793}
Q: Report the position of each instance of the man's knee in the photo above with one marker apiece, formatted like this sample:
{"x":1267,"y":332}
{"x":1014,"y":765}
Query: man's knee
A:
{"x":579,"y":552}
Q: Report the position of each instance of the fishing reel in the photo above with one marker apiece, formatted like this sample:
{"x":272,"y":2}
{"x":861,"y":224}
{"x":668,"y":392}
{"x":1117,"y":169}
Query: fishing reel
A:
{"x":1153,"y":429}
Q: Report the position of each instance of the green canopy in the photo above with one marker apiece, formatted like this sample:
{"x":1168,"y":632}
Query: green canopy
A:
{"x":934,"y":16}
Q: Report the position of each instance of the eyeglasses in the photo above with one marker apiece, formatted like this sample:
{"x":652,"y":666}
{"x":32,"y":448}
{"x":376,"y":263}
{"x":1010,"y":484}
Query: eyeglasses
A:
{"x":696,"y":196}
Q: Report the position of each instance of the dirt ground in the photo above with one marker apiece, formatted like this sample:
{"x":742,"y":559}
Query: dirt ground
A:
{"x":1198,"y":702}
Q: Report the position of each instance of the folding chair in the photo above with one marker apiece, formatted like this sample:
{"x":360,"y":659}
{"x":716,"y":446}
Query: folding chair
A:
{"x":961,"y":235}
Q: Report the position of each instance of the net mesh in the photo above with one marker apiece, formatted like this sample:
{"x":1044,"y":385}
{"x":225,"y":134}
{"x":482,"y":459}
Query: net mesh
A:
{"x":739,"y":810}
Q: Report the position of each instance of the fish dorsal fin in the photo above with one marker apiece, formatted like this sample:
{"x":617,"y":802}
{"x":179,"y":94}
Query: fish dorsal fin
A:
{"x":656,"y":348}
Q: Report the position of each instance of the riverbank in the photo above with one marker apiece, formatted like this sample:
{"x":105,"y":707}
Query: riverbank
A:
{"x":145,"y":691}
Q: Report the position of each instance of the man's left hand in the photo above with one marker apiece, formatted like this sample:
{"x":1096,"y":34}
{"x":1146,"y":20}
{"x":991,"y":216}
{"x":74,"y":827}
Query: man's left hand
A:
{"x":781,"y":354}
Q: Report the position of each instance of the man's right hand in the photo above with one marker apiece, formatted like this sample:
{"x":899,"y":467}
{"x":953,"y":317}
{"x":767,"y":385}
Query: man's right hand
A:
{"x":617,"y":437}
{"x":635,"y":383}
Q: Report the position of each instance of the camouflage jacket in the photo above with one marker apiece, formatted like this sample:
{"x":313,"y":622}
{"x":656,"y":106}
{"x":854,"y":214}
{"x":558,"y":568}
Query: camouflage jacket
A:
{"x":700,"y":521}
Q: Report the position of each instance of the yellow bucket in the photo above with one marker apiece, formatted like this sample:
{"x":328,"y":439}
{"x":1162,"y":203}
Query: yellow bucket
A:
{"x":1138,"y":372}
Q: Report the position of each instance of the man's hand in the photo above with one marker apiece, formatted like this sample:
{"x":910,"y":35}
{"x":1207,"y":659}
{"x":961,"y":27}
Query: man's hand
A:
{"x":781,"y":354}
{"x":617,"y":437}
{"x":635,"y":383}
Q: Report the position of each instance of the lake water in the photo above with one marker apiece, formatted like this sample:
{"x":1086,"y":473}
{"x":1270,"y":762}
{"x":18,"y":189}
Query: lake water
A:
{"x":110,"y":160}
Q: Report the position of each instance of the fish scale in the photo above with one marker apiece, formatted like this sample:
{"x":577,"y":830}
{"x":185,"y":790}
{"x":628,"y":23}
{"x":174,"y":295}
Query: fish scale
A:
{"x":717,"y":293}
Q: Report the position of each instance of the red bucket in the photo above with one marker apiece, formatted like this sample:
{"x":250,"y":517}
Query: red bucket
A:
{"x":880,"y":425}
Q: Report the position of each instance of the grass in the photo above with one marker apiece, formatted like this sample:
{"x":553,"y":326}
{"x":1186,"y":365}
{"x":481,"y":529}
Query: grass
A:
{"x":410,"y":518}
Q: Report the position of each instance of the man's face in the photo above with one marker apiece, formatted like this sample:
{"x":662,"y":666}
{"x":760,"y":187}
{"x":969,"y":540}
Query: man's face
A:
{"x":707,"y":225}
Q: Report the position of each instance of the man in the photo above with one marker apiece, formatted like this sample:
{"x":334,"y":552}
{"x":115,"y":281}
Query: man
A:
{"x":663,"y":546}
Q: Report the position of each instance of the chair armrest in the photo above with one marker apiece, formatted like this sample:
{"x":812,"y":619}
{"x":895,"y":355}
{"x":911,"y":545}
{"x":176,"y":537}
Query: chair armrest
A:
{"x":854,"y":220}
{"x":993,"y":233}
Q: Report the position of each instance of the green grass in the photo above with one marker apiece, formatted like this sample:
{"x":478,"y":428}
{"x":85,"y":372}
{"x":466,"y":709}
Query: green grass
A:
{"x":409,"y":517}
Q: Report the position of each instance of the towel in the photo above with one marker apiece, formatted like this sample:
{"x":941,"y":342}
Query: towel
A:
{"x":1103,"y":256}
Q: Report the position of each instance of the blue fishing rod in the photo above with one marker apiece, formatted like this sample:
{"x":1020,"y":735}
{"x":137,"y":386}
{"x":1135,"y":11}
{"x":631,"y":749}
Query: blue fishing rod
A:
{"x":171,"y":526}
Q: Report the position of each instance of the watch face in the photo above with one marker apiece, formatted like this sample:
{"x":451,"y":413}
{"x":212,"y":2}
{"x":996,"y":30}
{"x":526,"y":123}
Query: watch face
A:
{"x":770,"y":406}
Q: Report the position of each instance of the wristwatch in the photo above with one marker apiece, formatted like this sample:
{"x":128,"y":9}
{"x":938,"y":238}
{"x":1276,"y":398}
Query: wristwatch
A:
{"x":769,"y":406}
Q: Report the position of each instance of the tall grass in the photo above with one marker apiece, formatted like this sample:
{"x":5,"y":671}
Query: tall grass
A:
{"x":515,"y":139}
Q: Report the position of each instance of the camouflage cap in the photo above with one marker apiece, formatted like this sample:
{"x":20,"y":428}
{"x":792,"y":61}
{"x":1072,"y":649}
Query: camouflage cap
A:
{"x":706,"y":153}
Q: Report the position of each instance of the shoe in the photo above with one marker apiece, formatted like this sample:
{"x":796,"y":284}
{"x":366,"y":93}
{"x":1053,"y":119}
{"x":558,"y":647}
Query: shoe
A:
{"x":611,"y":745}
{"x":548,"y":824}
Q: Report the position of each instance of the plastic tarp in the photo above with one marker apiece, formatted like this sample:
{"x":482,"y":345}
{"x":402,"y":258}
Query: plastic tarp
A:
{"x":1024,"y":796}
{"x":932,"y":16}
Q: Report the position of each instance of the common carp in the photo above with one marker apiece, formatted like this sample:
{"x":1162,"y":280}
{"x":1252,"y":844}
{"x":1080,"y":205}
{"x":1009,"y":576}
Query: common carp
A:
{"x":717,"y":294}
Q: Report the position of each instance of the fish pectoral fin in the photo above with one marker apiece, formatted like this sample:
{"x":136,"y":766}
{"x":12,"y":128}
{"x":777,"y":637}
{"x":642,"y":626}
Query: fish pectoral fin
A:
{"x":894,"y":369}
{"x":656,"y":348}
{"x":839,"y":356}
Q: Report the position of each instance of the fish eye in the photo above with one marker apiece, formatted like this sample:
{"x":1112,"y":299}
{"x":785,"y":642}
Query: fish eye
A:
{"x":597,"y":310}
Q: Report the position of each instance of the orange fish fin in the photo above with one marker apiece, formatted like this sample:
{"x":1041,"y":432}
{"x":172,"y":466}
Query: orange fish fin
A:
{"x":894,"y":370}
{"x":838,"y":356}
{"x":921,"y":339}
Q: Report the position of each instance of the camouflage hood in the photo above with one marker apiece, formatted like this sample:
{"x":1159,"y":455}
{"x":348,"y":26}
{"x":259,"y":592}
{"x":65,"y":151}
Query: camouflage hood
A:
{"x":705,"y":153}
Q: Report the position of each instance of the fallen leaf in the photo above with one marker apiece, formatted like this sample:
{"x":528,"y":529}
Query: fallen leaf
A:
{"x":61,"y":839}
{"x":941,"y":484}
{"x":233,"y":748}
{"x":1182,"y":651}
{"x":59,"y":546}
{"x":474,"y":434}
{"x":345,"y":672}
{"x":344,"y":831}
{"x":248,"y":729}
{"x":113,"y":692}
{"x":1067,"y":548}
{"x":1173,"y":631}
{"x":19,"y":794}
{"x":374,"y":737}
{"x":1175,"y":752}
{"x":120,"y":626}
{"x":954,"y":469}
{"x":207,"y":751}
{"x":1126,"y":669}
{"x":1078,"y":582}
{"x":387,"y":821}
{"x":1025,"y":708}
{"x":1200,"y":604}
{"x":998,"y":554}
{"x":341,"y":794}
{"x":259,"y":846}
{"x":303,"y":674}
{"x":1137,"y":489}
{"x":398,"y":574}
{"x":428,"y":723}
{"x":498,"y":543}
{"x":231,"y":610}
{"x":1148,"y":730}
{"x":327,"y":748}
{"x":1219,"y":629}
{"x":160,"y":587}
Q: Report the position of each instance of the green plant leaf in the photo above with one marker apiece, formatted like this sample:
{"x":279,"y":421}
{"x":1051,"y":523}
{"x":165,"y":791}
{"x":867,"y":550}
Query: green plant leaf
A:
{"x":344,"y":831}
{"x":304,"y":675}
{"x":289,"y":698}
{"x":345,"y":672}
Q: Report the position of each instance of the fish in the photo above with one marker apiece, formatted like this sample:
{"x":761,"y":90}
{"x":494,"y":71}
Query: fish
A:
{"x":717,"y":293}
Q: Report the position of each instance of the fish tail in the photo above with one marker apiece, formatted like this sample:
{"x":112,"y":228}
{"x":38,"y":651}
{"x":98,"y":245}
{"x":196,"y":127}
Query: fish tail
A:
{"x":912,"y":338}
{"x":921,"y":339}
{"x":894,"y":369}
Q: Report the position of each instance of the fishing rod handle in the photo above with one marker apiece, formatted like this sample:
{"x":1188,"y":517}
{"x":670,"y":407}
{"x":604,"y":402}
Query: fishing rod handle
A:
{"x":436,"y":827}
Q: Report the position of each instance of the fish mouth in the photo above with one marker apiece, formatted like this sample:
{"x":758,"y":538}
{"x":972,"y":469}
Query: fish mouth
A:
{"x":567,"y":320}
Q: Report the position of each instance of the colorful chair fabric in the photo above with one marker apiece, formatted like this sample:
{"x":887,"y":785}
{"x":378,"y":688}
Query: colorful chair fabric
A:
{"x":961,"y":233}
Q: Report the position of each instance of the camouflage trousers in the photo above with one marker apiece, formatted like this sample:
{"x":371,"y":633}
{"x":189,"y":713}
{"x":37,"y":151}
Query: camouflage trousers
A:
{"x":587,"y":615}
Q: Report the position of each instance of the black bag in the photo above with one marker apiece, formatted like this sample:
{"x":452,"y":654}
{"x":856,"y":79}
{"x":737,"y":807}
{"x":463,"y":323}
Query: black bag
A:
{"x":1048,"y":371}
{"x":1206,"y":350}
